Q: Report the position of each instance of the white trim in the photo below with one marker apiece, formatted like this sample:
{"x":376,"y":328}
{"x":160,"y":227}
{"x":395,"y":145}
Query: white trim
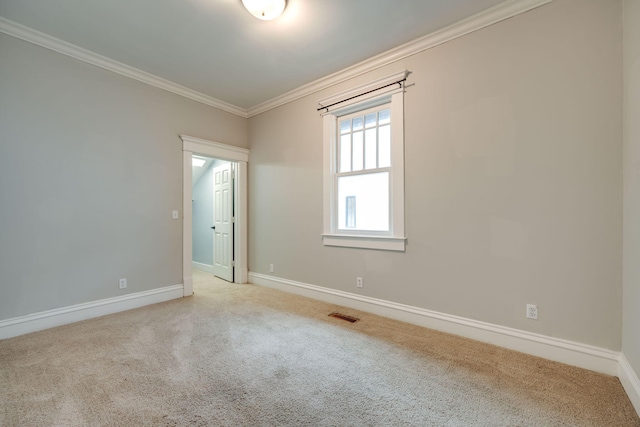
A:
{"x":187,"y":222}
{"x":215,"y":149}
{"x":365,"y":242}
{"x":570,"y":352}
{"x":329,"y":160}
{"x":397,"y":164}
{"x":49,"y":42}
{"x":395,"y":239}
{"x":190,"y":146}
{"x":241,"y":242}
{"x":75,"y":313}
{"x":202,"y":267}
{"x":630,"y":382}
{"x":468,"y":25}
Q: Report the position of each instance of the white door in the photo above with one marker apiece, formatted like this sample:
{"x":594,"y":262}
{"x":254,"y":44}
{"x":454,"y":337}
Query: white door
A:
{"x":223,"y":222}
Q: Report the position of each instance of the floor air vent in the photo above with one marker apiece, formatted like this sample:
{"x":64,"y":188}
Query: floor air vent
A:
{"x":344,"y":317}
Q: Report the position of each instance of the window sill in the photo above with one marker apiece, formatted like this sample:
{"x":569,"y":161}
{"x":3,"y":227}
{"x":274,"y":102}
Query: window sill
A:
{"x":365,"y":242}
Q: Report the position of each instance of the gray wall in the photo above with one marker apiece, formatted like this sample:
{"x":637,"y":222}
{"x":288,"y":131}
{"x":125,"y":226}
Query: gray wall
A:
{"x":513,"y":139}
{"x":90,"y":170}
{"x":631,"y":254}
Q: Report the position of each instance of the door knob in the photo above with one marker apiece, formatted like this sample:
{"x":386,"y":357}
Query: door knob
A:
{"x":213,"y":228}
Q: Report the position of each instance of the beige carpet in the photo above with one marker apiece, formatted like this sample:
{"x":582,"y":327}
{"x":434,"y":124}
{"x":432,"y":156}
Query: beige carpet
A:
{"x":241,"y":355}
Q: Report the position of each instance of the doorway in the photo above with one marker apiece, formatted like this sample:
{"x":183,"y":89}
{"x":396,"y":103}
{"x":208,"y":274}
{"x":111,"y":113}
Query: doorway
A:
{"x":237,"y":186}
{"x":213,"y":215}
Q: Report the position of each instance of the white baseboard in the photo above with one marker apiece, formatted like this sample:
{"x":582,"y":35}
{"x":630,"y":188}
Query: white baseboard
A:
{"x":62,"y":316}
{"x":630,"y":382}
{"x":559,"y":350}
{"x":202,"y":267}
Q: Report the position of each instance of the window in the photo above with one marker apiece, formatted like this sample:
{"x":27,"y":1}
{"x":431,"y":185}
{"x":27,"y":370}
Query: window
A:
{"x":350,"y":220}
{"x":364,"y":160}
{"x":364,"y":171}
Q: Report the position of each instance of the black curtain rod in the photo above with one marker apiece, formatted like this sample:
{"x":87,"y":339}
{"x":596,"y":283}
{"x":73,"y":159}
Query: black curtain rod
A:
{"x":399,"y":82}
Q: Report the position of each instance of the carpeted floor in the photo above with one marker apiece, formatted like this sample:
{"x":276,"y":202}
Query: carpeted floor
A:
{"x":241,"y":355}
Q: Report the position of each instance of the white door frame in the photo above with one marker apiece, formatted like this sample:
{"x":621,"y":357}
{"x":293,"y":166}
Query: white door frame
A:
{"x":190,"y":146}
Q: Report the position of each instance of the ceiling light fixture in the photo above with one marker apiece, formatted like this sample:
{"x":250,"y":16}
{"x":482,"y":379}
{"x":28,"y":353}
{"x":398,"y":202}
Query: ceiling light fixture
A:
{"x":198,"y":162}
{"x":265,"y":9}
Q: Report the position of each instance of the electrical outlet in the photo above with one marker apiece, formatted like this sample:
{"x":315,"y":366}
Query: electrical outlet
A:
{"x":271,"y":269}
{"x":122,"y":283}
{"x":532,"y":311}
{"x":175,"y":215}
{"x":359,"y":282}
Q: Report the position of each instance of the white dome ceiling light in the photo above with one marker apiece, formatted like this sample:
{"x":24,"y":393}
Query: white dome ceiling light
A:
{"x":265,"y":9}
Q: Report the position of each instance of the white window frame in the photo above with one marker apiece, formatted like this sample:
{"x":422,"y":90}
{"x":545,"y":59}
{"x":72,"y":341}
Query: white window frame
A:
{"x":395,"y":239}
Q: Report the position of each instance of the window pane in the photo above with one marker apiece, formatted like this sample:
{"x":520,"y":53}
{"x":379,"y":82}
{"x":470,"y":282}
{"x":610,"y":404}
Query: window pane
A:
{"x":368,"y":198}
{"x":358,"y":151}
{"x":345,"y":153}
{"x":370,"y":120}
{"x":357,"y":123}
{"x":384,"y":117}
{"x":350,"y":215}
{"x":384,"y":146}
{"x":345,"y":126}
{"x":370,"y":149}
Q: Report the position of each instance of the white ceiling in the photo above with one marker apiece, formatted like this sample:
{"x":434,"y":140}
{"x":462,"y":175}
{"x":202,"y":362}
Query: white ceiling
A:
{"x":217,"y":48}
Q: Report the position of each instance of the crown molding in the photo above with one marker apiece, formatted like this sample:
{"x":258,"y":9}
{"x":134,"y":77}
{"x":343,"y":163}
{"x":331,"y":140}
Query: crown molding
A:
{"x":468,"y":25}
{"x":44,"y":40}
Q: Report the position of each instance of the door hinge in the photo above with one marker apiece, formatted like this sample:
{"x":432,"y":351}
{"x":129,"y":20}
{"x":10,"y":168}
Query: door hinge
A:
{"x":233,"y":263}
{"x":233,"y":219}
